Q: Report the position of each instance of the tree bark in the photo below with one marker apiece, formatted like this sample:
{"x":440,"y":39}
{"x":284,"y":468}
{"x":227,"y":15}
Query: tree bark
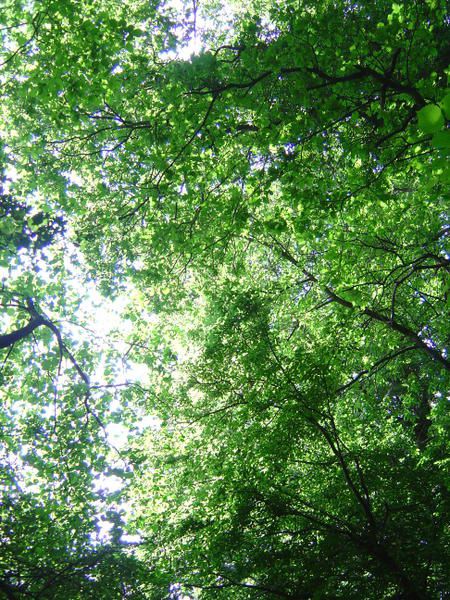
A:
{"x":8,"y":339}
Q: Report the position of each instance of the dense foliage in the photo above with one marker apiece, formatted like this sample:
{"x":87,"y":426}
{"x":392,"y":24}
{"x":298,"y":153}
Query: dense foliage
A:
{"x":270,"y":214}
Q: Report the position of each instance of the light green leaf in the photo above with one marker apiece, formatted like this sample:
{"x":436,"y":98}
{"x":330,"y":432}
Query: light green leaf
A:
{"x":430,"y":118}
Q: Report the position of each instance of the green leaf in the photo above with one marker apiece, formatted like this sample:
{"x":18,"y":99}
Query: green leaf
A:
{"x":441,"y":139}
{"x":445,"y":105}
{"x":430,"y":118}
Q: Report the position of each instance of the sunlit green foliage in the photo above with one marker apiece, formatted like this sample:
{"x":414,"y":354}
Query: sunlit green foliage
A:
{"x":275,"y":209}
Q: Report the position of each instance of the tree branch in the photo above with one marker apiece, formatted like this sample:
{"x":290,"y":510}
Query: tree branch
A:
{"x":9,"y":339}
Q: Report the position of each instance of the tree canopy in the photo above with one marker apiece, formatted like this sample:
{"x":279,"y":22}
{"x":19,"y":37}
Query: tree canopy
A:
{"x":224,"y":333}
